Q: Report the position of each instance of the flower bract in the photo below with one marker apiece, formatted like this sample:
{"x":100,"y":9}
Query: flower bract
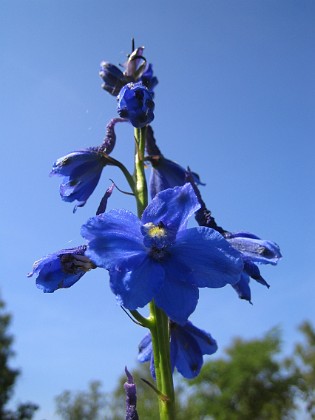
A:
{"x":188,"y":344}
{"x":157,"y":257}
{"x":61,"y":269}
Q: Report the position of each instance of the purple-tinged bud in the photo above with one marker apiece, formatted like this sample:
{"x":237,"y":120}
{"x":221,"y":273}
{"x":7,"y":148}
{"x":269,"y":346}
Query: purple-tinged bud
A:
{"x":135,"y":102}
{"x":113,"y":78}
{"x":131,"y":397}
{"x":103,"y":203}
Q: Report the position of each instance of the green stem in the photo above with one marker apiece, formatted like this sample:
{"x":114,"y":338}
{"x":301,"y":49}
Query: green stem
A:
{"x":158,"y":320}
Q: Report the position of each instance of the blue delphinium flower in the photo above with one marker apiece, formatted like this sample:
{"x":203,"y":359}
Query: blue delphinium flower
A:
{"x":135,"y":102}
{"x":188,"y":344}
{"x":165,"y":173}
{"x":61,"y":269}
{"x":81,"y":171}
{"x":131,"y":397}
{"x":157,"y":257}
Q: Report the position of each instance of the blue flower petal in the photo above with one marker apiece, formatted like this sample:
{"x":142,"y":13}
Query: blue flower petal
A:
{"x":206,"y":343}
{"x":145,"y":349}
{"x":176,"y":297}
{"x":242,"y":288}
{"x":185,"y":353}
{"x":211,"y":260}
{"x":134,"y":289}
{"x":172,"y":207}
{"x":167,"y":174}
{"x":255,"y":249}
{"x":115,"y":240}
{"x":61,"y":269}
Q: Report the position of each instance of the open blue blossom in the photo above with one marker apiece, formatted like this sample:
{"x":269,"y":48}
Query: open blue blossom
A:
{"x":81,"y":171}
{"x":135,"y":102}
{"x":148,"y":79}
{"x":157,"y":257}
{"x":188,"y":344}
{"x":61,"y":269}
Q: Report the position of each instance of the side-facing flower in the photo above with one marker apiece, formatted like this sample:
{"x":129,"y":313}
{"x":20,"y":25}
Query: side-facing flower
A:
{"x":188,"y":345}
{"x":135,"y":102}
{"x":253,"y":250}
{"x":157,"y":257}
{"x":61,"y":269}
{"x":165,"y":173}
{"x":81,"y":172}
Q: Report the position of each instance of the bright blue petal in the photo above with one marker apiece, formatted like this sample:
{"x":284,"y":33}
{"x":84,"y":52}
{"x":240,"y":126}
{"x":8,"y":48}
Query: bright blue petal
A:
{"x":242,"y":288}
{"x":188,"y":359}
{"x":206,"y":343}
{"x":114,"y":240}
{"x":172,"y":207}
{"x":176,"y":297}
{"x":134,"y":289}
{"x":210,"y":260}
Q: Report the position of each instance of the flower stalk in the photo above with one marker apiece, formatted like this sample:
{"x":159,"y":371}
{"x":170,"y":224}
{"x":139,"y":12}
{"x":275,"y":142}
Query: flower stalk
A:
{"x":158,"y":325}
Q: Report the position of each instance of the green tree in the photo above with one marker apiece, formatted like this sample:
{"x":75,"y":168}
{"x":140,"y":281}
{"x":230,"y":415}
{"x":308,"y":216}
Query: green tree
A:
{"x":305,"y":366}
{"x":251,"y":382}
{"x":8,"y":375}
{"x":83,"y":405}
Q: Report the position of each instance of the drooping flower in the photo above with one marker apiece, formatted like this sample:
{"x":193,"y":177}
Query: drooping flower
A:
{"x":131,"y":397}
{"x":157,"y":257}
{"x":61,"y":269}
{"x":135,"y":102}
{"x":165,"y":173}
{"x":188,"y":344}
{"x":81,"y":172}
{"x":253,"y":250}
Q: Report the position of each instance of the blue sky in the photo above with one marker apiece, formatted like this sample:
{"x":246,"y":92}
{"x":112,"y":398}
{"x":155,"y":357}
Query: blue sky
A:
{"x":235,"y":102}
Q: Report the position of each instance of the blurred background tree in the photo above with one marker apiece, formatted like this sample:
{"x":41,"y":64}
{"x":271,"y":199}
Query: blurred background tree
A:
{"x":252,"y":380}
{"x":8,"y":375}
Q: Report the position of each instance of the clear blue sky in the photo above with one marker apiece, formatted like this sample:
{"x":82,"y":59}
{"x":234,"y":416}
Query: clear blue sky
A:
{"x":236,"y":102}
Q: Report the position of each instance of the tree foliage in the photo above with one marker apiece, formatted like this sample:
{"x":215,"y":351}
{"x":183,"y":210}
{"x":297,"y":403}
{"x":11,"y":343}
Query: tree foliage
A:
{"x":9,"y":375}
{"x":252,"y":380}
